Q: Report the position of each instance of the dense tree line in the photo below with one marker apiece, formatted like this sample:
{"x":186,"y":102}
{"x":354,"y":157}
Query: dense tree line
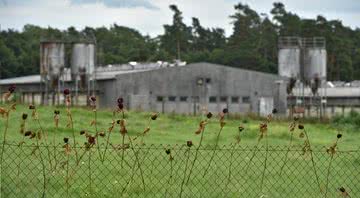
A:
{"x":252,"y":45}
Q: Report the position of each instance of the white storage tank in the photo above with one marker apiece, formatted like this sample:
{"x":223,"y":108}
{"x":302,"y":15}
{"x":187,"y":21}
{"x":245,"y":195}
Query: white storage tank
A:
{"x":52,"y":59}
{"x":83,"y":59}
{"x":289,"y":62}
{"x":315,"y":63}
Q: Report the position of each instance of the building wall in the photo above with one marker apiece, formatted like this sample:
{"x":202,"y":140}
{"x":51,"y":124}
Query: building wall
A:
{"x":176,"y":89}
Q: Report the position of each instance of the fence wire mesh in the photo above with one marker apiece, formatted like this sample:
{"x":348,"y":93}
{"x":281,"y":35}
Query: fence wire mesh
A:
{"x":31,"y":170}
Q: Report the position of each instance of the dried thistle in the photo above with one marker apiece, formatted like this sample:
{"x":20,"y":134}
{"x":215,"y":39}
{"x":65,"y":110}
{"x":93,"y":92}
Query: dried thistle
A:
{"x":27,"y":133}
{"x":189,"y":143}
{"x":201,"y":128}
{"x":154,"y":116}
{"x":263,"y":130}
{"x":343,"y":192}
{"x":23,"y":122}
{"x":3,"y":112}
{"x":34,"y":113}
{"x":9,"y":93}
{"x":102,"y":134}
{"x":56,"y":118}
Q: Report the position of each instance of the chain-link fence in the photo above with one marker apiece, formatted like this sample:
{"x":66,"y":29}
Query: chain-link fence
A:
{"x":177,"y":171}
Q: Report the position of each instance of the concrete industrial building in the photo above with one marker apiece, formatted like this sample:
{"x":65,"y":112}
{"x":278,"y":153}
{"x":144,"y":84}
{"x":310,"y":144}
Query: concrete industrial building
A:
{"x":182,"y":89}
{"x":300,"y":86}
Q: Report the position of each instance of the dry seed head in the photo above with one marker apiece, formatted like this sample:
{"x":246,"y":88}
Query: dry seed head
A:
{"x":24,"y":116}
{"x":92,"y":99}
{"x":168,"y":151}
{"x":241,"y":128}
{"x":27,"y":133}
{"x":12,"y":88}
{"x":189,"y":143}
{"x":300,"y":126}
{"x":32,"y":135}
{"x":66,"y":92}
{"x":154,"y":116}
{"x":91,"y":140}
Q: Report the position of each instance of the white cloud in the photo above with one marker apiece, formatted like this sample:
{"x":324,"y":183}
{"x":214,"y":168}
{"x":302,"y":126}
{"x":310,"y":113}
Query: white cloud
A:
{"x":118,"y":3}
{"x":212,"y":13}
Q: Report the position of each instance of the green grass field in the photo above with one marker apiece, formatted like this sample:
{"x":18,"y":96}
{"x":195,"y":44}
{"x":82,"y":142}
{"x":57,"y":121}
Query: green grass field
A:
{"x":231,"y":173}
{"x":176,"y":129}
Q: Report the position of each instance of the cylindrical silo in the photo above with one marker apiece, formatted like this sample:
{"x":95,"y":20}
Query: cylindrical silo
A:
{"x":52,"y":59}
{"x":83,"y":59}
{"x":315,"y":63}
{"x":289,"y":62}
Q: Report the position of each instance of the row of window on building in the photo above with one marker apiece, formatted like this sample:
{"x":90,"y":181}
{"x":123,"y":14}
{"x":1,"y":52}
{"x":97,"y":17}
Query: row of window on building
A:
{"x":212,"y":99}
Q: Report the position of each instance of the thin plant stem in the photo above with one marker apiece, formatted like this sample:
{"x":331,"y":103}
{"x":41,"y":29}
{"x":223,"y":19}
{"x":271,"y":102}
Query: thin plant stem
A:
{"x":19,"y":167}
{"x":89,"y":173}
{"x":252,"y":157}
{"x":328,"y":170}
{"x":312,"y":160}
{"x":185,"y":170}
{"x":230,"y":166}
{"x":3,"y":149}
{"x":133,"y":170}
{"x":96,"y":133}
{"x":265,"y":163}
{"x":67,"y":176}
{"x":108,"y":138}
{"x":55,"y":149}
{"x":287,"y":153}
{"x":137,"y":160}
{"x":123,"y":150}
{"x":196,"y":154}
{"x":45,"y":141}
{"x":43,"y":167}
{"x":73,"y":132}
{"x":214,"y":151}
{"x":170,"y":177}
{"x":123,"y":142}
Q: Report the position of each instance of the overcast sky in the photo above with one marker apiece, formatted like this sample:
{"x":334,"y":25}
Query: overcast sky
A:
{"x":148,"y":16}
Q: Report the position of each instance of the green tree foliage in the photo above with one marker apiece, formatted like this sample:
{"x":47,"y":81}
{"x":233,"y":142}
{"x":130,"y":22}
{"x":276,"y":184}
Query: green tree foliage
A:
{"x":252,"y":44}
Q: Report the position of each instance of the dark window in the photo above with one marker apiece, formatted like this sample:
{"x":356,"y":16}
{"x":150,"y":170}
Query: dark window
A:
{"x":246,"y":99}
{"x":212,"y":99}
{"x":183,"y":98}
{"x":196,"y":98}
{"x":234,"y":99}
{"x":208,"y":80}
{"x":223,"y":99}
{"x":160,"y":98}
{"x":172,"y":98}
